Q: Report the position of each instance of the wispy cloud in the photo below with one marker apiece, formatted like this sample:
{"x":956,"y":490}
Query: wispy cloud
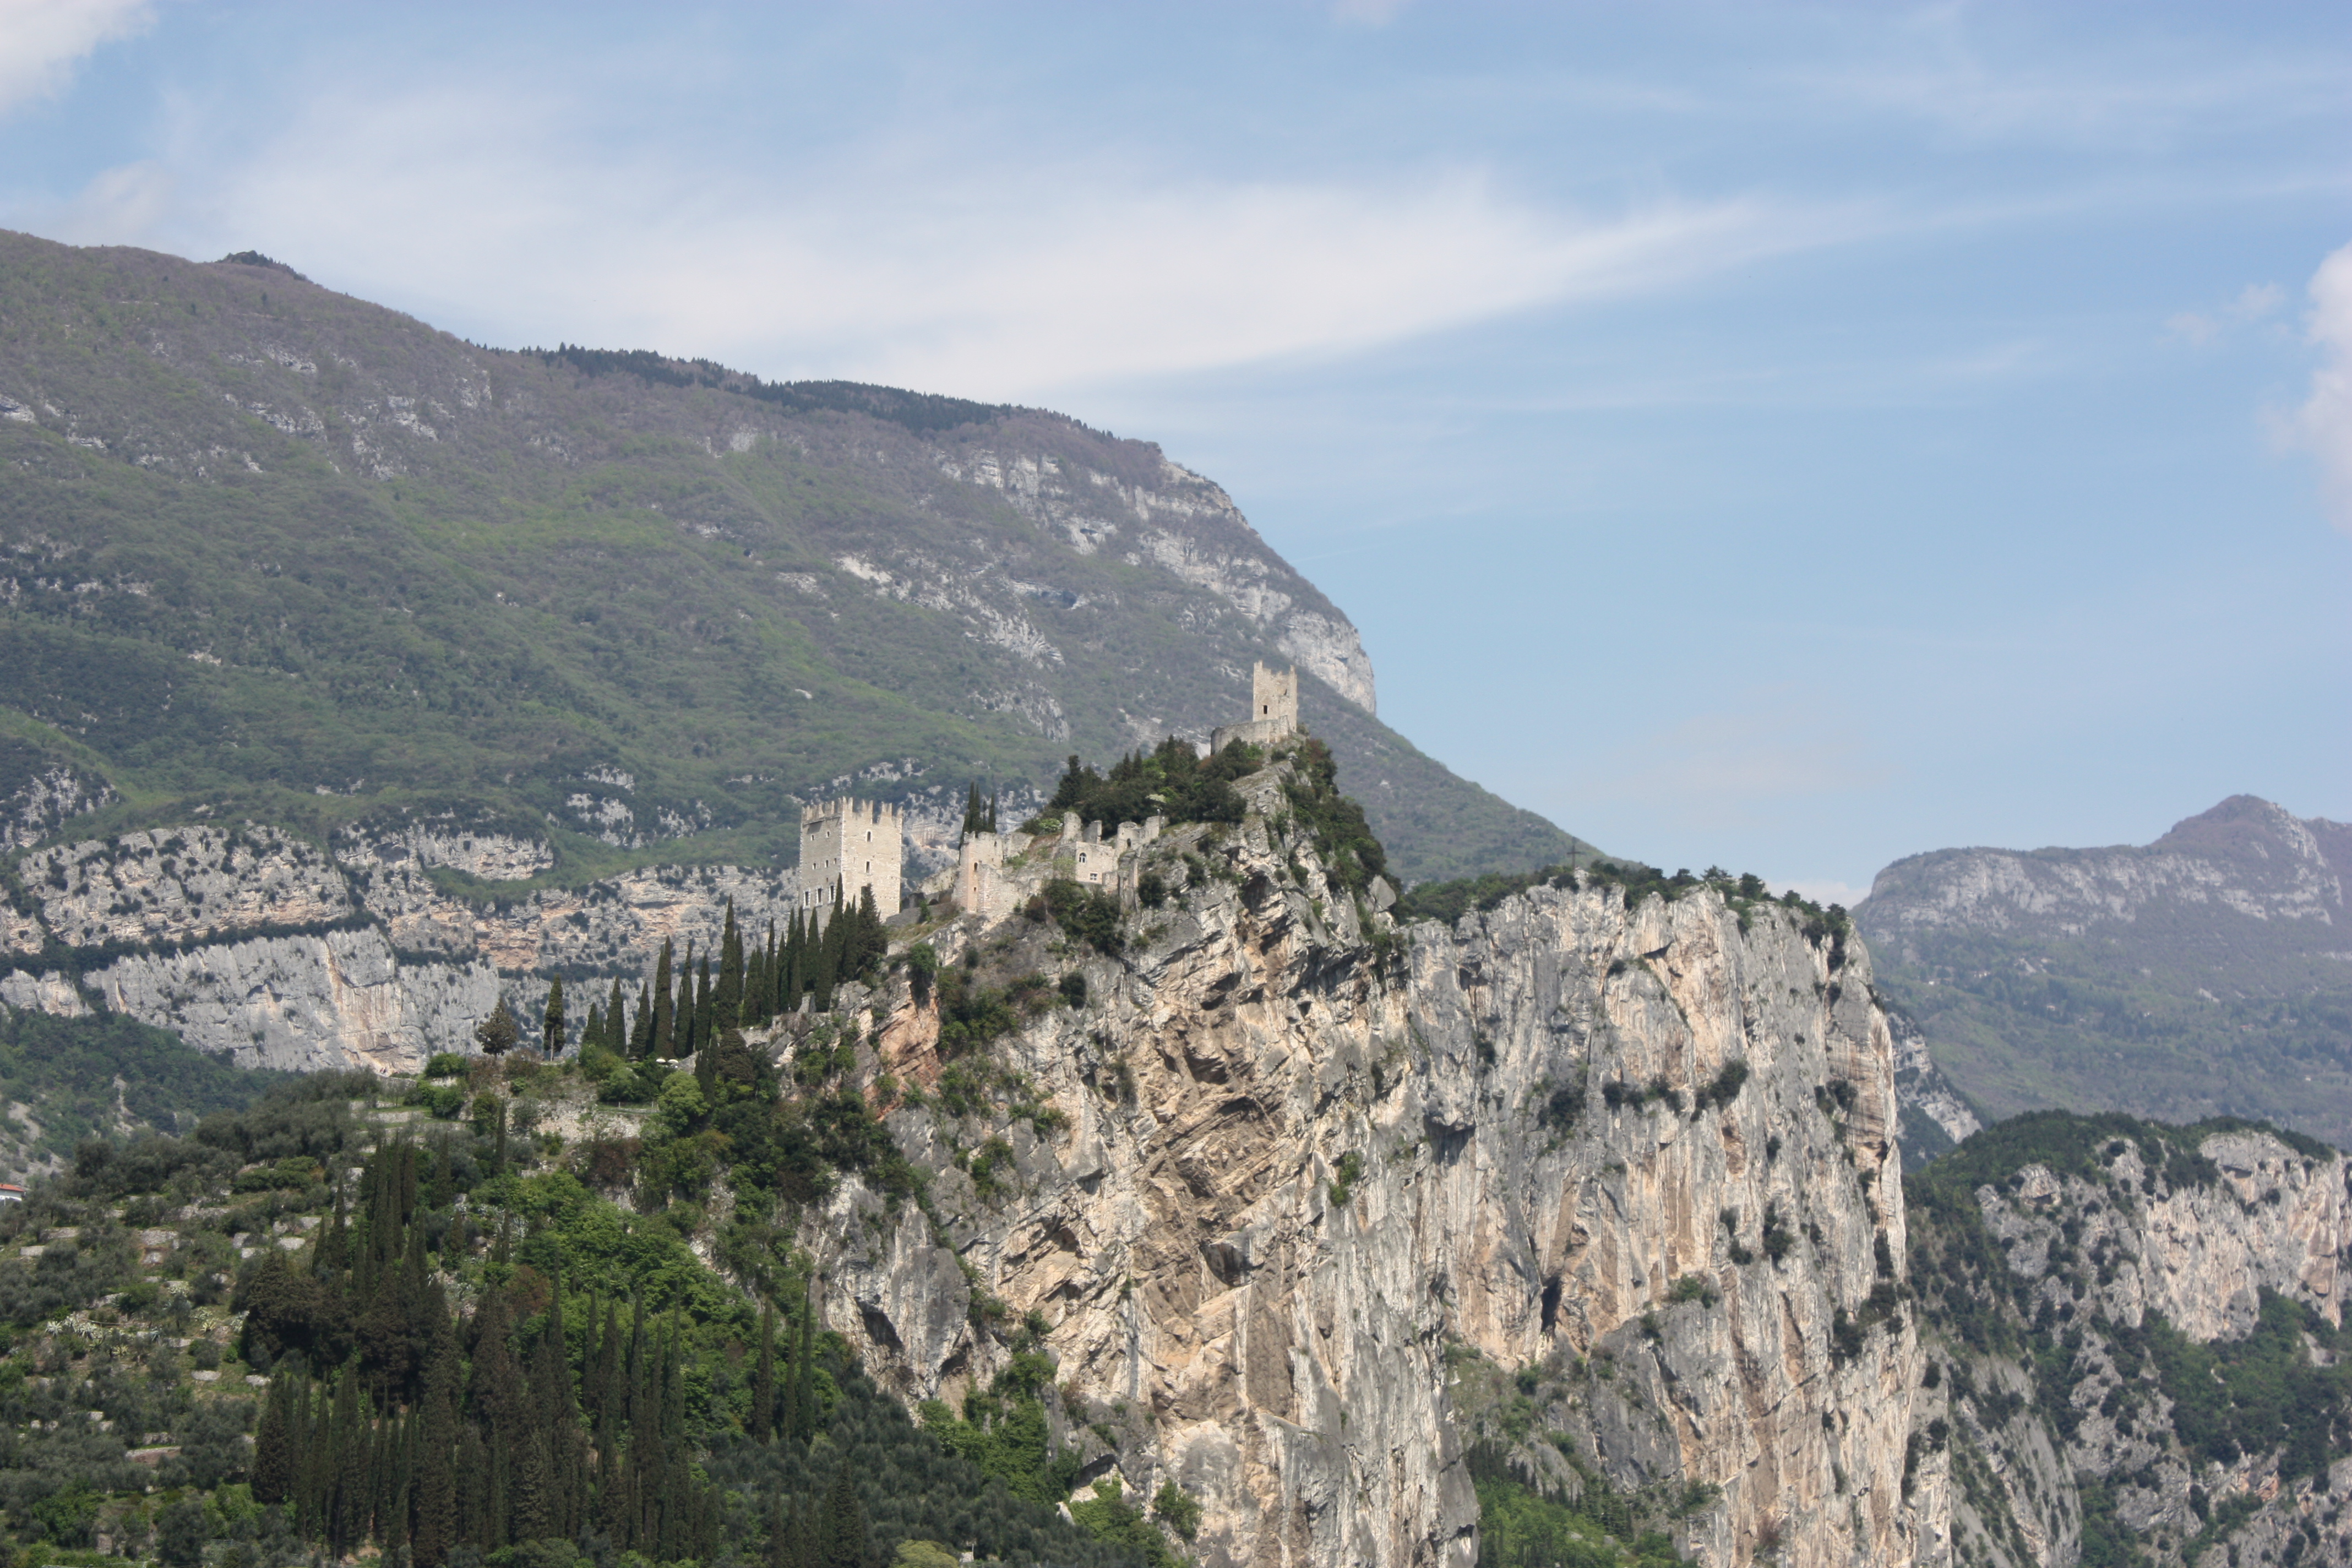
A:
{"x":2325,"y":421}
{"x":1039,"y":278}
{"x":41,"y":42}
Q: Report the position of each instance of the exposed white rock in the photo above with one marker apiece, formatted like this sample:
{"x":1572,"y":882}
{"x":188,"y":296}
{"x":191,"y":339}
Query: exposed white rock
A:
{"x":174,"y":884}
{"x":341,"y":999}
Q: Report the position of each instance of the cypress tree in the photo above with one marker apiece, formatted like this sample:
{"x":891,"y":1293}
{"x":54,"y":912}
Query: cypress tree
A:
{"x":841,"y":1533}
{"x":705,"y":1007}
{"x":726,"y":1004}
{"x":763,"y":1380}
{"x":664,"y":1034}
{"x":791,"y":968}
{"x":551,"y":1021}
{"x":641,"y":1035}
{"x":991,"y":812}
{"x":687,"y":1010}
{"x":970,"y":809}
{"x":437,"y":1509}
{"x":754,"y":1008}
{"x":272,"y":1472}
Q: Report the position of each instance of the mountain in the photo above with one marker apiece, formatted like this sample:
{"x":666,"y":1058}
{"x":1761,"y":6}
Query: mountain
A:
{"x":270,"y":551}
{"x":1220,"y":1207}
{"x":2209,"y":974}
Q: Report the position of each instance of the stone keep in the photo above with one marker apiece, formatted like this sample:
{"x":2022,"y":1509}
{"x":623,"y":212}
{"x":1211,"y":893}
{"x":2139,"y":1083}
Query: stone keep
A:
{"x":1274,"y":709}
{"x":847,"y":846}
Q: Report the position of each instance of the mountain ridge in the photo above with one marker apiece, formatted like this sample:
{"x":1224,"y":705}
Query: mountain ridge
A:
{"x":2208,"y":973}
{"x":267,"y":549}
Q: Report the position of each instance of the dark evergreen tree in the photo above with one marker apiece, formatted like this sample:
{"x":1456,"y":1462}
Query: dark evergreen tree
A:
{"x":762,"y":1420}
{"x":841,"y":1530}
{"x":664,"y":1034}
{"x":497,"y":1035}
{"x":551,"y":1034}
{"x":726,"y":1000}
{"x":272,"y":1472}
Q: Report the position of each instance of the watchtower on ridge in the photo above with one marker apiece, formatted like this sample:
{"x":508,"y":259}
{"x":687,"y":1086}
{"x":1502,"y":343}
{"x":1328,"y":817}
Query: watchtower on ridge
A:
{"x":847,"y":847}
{"x":1274,"y":709}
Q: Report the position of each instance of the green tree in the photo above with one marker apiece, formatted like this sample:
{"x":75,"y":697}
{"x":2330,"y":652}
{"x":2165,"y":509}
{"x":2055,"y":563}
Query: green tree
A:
{"x":551,"y":1028}
{"x":497,"y":1035}
{"x":665,"y":1034}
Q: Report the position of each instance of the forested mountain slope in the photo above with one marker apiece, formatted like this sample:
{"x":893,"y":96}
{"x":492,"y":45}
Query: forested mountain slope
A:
{"x":269,"y":551}
{"x":2207,"y":974}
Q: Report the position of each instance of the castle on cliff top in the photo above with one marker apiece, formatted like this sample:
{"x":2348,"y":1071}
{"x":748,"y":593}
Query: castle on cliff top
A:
{"x":1274,"y":709}
{"x":847,"y":847}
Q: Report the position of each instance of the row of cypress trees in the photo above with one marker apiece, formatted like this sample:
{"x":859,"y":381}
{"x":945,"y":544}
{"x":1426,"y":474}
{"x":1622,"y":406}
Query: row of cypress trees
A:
{"x":436,"y":1429}
{"x":686,"y":1007}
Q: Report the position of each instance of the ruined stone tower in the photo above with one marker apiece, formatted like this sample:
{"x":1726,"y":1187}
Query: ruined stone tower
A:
{"x":847,"y":846}
{"x":1274,"y":709}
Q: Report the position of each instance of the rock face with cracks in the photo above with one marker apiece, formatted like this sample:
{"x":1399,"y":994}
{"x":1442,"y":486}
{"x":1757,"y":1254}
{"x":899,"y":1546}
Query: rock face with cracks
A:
{"x":1312,"y":1164}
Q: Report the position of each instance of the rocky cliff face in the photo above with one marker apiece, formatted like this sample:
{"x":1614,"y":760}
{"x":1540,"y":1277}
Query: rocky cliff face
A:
{"x":1314,"y":1169}
{"x":2136,"y":1329}
{"x":261,"y":947}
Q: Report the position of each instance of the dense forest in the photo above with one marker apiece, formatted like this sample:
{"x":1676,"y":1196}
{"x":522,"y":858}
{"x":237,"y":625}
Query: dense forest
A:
{"x":468,"y":1356}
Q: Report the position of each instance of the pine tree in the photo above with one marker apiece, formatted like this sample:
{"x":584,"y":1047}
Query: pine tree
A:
{"x":496,"y":1035}
{"x":665,"y":1032}
{"x":551,"y":1027}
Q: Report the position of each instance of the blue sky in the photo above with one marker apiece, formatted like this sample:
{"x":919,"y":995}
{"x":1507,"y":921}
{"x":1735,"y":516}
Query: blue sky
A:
{"x":1781,"y":437}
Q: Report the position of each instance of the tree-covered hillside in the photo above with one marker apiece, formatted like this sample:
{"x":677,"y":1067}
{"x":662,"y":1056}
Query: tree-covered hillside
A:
{"x":301,"y":1328}
{"x":266,"y":548}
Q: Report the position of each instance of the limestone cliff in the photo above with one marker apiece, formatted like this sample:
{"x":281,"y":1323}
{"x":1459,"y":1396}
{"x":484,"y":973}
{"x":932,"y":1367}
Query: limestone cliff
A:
{"x":1313,"y":1169}
{"x":2134,"y":1329}
{"x":262,"y":947}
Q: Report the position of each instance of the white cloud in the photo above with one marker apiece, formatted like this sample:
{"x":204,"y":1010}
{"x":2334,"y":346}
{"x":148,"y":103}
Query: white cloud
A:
{"x":2325,"y":421}
{"x":42,"y":40}
{"x":496,"y":215}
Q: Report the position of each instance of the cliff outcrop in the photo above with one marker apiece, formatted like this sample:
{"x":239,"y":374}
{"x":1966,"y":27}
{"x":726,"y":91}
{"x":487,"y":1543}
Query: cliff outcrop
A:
{"x":2138,"y":1337}
{"x":1305,"y":1174}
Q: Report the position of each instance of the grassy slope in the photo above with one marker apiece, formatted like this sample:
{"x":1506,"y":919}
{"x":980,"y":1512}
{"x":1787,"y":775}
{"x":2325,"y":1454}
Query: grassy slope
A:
{"x":573,"y":572}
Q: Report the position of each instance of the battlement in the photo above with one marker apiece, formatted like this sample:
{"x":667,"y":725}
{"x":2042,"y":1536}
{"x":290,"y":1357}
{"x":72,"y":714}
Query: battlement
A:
{"x":849,"y":845}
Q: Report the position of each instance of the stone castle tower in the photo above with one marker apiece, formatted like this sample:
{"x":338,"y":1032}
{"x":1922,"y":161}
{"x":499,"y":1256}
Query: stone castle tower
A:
{"x":847,"y":846}
{"x":1274,"y":709}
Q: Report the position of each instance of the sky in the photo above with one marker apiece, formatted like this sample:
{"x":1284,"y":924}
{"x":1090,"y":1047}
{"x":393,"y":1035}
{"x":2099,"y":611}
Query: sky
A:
{"x":1785,"y":438}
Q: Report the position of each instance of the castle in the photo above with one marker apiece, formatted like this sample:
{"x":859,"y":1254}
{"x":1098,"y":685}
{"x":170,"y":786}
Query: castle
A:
{"x":847,"y":847}
{"x":1274,"y":709}
{"x":982,"y":885}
